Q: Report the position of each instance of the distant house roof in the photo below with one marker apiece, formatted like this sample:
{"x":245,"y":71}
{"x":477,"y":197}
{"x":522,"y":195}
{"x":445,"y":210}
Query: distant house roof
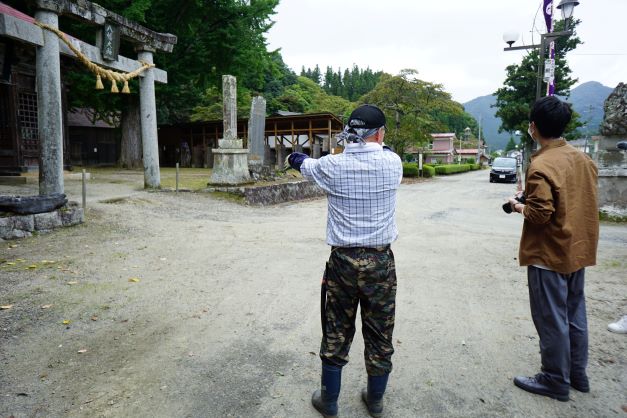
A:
{"x":467,"y":151}
{"x":285,"y":113}
{"x":443,"y":135}
{"x":83,"y":118}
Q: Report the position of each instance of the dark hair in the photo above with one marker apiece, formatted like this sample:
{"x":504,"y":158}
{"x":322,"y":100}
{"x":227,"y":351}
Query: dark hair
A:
{"x":551,"y":115}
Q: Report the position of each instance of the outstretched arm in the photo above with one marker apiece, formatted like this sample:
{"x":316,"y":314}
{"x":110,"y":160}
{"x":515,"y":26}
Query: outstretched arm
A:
{"x":295,"y":160}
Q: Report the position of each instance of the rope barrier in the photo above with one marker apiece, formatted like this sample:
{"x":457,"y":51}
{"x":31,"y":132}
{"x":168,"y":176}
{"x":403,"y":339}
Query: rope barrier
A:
{"x":113,"y":76}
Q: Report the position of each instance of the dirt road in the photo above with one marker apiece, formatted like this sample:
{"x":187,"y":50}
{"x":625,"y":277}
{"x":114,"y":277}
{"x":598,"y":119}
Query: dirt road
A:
{"x":192,"y":306}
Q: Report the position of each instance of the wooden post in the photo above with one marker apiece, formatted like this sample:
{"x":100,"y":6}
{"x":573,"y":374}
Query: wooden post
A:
{"x":177,"y":177}
{"x":276,"y":149}
{"x":84,"y":191}
{"x":331,"y":147}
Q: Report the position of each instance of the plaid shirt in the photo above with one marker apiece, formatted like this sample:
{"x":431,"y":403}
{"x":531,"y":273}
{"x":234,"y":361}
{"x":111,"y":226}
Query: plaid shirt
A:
{"x":361,"y":187}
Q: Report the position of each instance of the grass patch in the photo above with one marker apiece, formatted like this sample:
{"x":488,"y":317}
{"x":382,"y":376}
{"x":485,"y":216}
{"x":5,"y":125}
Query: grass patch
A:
{"x":228,"y":196}
{"x":607,"y":217}
{"x":612,"y":265}
{"x":189,"y":178}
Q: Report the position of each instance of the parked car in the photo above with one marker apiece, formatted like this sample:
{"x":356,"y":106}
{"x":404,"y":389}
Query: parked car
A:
{"x":504,"y":169}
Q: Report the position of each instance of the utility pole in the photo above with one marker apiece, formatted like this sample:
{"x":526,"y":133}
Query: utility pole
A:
{"x":479,"y":141}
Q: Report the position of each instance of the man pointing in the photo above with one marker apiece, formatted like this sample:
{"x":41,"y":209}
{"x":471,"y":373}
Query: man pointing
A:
{"x":361,"y":186}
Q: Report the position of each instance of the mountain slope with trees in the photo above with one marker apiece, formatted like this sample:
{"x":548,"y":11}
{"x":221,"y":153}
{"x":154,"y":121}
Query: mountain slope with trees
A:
{"x":587,"y":100}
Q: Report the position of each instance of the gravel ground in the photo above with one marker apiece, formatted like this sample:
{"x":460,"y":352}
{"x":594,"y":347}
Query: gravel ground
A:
{"x":192,"y":305}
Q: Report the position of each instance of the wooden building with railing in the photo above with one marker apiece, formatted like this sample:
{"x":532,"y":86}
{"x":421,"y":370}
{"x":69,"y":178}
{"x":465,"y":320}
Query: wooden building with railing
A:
{"x":190,"y":144}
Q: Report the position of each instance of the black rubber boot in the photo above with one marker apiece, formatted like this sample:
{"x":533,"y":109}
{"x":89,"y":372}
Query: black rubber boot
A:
{"x":373,"y":396}
{"x":325,"y":399}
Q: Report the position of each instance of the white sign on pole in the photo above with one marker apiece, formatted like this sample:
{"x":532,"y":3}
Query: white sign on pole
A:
{"x":420,"y":161}
{"x":549,"y":70}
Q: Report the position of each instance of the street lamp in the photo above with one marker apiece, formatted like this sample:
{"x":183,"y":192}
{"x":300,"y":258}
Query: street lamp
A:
{"x":510,"y":38}
{"x":567,"y":8}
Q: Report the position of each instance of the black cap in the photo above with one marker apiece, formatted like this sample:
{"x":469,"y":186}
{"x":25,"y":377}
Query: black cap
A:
{"x":366,"y":117}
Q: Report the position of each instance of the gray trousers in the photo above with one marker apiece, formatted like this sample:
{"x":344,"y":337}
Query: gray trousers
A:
{"x":558,"y":309}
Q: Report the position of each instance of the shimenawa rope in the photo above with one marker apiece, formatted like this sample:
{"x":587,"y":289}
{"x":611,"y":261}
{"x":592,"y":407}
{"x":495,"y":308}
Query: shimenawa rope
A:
{"x":100,"y":72}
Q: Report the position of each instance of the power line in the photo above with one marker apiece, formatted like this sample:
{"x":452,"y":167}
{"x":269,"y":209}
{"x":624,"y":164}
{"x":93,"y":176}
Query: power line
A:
{"x":600,"y":54}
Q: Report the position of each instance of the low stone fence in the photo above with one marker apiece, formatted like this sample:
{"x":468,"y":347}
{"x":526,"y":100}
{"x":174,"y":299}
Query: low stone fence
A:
{"x":275,"y":193}
{"x":21,"y":226}
{"x":281,"y":193}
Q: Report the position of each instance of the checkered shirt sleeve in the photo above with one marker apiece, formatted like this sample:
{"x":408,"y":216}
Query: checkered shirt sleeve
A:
{"x":361,"y":186}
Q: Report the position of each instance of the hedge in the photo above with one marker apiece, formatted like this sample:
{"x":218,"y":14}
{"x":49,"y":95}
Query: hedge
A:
{"x":428,"y":171}
{"x":452,"y":168}
{"x":410,"y":170}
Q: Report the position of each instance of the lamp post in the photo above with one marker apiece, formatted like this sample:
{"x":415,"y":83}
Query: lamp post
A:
{"x":546,"y":39}
{"x":567,"y":8}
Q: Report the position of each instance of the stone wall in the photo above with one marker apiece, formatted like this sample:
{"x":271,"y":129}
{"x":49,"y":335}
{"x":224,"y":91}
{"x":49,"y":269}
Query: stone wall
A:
{"x":612,"y":162}
{"x":615,"y":113}
{"x":22,"y":226}
{"x":275,"y":193}
{"x":281,"y":193}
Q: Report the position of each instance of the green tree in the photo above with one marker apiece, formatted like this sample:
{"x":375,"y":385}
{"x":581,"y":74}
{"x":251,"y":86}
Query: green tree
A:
{"x":308,"y":96}
{"x":414,"y":109}
{"x":211,"y":106}
{"x":511,"y":145}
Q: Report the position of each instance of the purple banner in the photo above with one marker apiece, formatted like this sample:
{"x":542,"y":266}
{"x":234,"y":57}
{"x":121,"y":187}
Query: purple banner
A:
{"x":548,"y":15}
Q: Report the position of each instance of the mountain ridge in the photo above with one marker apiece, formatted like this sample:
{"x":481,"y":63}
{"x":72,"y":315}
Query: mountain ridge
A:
{"x":587,"y":99}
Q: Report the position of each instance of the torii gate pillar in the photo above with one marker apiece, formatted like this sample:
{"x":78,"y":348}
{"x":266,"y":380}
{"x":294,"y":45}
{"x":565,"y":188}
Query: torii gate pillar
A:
{"x":148,"y":116}
{"x":49,"y":114}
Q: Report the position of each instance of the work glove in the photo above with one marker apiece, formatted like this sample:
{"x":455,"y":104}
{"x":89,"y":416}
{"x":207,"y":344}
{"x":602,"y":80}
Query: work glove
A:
{"x":294,"y":160}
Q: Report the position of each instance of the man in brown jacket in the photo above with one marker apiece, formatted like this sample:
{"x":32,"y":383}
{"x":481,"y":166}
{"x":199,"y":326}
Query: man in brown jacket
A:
{"x":559,"y":239}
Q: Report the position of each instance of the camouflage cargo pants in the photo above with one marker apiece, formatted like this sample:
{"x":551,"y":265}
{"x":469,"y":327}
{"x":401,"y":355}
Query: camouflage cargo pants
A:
{"x":365,"y":277}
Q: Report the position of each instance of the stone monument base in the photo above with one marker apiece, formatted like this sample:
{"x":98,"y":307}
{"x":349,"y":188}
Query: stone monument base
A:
{"x":258,"y":171}
{"x":14,"y":226}
{"x":230,"y":167}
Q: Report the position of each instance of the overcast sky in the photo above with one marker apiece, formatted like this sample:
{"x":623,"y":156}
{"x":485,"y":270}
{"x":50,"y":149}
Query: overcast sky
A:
{"x":454,"y":42}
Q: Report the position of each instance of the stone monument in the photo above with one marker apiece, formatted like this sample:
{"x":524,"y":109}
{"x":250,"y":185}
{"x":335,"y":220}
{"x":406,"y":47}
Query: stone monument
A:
{"x":230,"y":159}
{"x":612,"y":161}
{"x":257,"y":139}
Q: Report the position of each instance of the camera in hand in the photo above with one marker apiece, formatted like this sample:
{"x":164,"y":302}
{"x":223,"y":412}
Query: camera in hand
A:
{"x":507,"y":208}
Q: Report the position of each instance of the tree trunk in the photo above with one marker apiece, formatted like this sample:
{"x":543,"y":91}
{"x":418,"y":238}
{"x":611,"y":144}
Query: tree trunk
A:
{"x":131,"y":150}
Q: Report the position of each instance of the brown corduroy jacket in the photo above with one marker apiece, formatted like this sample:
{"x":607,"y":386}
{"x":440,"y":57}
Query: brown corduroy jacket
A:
{"x":561,"y":227}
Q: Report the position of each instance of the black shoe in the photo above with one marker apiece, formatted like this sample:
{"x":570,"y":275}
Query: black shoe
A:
{"x":537,"y":385}
{"x":580,"y":383}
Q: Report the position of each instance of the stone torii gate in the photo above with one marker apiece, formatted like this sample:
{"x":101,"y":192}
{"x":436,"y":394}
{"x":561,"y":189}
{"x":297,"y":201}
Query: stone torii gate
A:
{"x":49,"y":46}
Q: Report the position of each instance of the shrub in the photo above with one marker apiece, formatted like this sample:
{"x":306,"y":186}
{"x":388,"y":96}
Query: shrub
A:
{"x":475,"y":166}
{"x":410,"y":170}
{"x":452,"y":169}
{"x":428,"y":171}
{"x":470,"y":161}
